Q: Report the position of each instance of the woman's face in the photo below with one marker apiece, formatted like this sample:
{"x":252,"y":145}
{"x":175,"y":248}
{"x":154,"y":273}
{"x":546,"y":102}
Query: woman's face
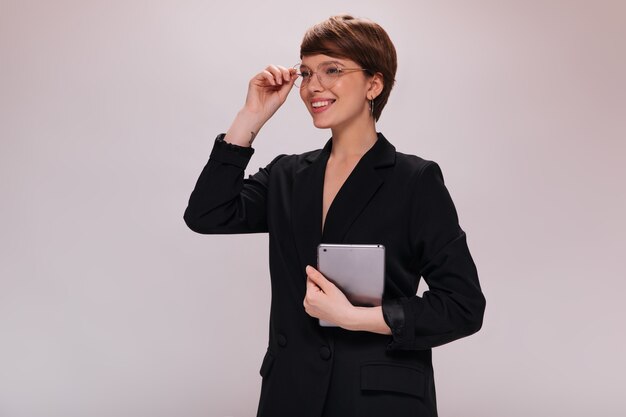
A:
{"x":338,"y":105}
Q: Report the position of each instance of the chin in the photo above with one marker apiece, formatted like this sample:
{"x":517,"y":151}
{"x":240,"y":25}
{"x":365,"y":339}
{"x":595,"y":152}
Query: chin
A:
{"x":321,"y":124}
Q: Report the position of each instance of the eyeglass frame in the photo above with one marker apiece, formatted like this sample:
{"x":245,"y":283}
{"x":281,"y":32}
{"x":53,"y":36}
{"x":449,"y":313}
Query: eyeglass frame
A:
{"x":342,"y":71}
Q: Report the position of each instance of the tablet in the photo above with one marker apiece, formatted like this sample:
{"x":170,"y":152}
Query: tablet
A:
{"x":357,"y":270}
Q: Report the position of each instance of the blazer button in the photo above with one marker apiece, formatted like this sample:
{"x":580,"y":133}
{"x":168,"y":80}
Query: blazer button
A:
{"x":282,"y":340}
{"x":325,"y":353}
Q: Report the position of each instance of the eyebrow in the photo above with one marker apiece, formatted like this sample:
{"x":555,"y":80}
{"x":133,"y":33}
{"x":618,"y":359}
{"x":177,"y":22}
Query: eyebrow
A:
{"x":325,"y":62}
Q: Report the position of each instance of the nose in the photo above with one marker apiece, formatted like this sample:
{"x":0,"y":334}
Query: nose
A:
{"x":314,"y":84}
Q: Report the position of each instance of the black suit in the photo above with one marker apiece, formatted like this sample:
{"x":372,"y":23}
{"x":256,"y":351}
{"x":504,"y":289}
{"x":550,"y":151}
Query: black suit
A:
{"x":390,"y":198}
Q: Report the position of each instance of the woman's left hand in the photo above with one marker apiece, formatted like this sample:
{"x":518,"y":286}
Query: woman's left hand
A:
{"x":323,"y":300}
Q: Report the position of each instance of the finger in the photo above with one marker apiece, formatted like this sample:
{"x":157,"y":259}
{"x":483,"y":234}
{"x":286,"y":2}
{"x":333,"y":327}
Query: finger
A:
{"x":287,"y":86}
{"x":308,"y":310}
{"x":312,"y":287}
{"x":306,"y":305}
{"x":293,"y":77}
{"x":268,"y":76}
{"x":311,"y":290}
{"x":285,"y":73}
{"x":275,"y":71}
{"x":319,"y":279}
{"x":309,"y":284}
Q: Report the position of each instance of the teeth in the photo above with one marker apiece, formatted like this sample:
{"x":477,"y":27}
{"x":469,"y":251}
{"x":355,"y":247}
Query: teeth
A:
{"x":321,"y":103}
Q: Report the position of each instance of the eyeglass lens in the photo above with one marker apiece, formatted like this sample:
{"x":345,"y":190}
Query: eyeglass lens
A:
{"x":326,"y":73}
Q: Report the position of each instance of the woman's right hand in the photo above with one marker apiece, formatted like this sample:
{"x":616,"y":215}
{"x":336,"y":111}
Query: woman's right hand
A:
{"x":267,"y":91}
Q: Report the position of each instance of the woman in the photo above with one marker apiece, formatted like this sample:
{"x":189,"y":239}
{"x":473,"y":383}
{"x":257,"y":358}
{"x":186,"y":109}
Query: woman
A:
{"x":357,"y":189}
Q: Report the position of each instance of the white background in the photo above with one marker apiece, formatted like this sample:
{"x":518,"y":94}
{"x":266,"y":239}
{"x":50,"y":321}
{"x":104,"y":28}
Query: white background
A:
{"x":110,"y":306}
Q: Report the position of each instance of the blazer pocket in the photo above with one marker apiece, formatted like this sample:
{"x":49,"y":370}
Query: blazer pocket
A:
{"x":385,"y":376}
{"x":266,"y":366}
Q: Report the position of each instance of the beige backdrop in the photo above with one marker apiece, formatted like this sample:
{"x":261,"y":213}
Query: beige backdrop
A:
{"x":111,"y":307}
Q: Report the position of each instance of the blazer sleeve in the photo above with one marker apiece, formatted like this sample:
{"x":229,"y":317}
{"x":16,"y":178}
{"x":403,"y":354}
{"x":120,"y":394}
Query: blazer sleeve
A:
{"x":454,"y":305}
{"x":223,"y":202}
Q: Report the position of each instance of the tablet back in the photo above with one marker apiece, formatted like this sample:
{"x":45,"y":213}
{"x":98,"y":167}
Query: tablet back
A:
{"x":358,"y":271}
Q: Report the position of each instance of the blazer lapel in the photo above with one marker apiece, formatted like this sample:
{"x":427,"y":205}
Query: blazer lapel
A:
{"x":352,"y":198}
{"x":307,"y":205}
{"x":358,"y":190}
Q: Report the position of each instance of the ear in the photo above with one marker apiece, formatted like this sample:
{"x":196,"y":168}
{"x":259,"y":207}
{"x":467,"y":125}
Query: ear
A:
{"x":376,"y":85}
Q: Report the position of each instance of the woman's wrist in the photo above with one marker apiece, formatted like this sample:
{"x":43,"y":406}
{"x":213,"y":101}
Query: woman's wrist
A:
{"x":368,"y":319}
{"x":244,"y":128}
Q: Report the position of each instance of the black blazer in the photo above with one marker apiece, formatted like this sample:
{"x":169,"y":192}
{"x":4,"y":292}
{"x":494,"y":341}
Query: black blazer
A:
{"x":390,"y":198}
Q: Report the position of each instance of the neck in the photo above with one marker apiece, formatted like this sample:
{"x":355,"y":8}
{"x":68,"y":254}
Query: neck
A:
{"x":353,"y":141}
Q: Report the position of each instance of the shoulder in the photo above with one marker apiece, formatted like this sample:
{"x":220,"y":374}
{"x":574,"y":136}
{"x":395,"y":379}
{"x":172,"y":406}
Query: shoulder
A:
{"x":413,"y":166}
{"x":288,"y":162}
{"x":406,"y":165}
{"x":418,"y":173}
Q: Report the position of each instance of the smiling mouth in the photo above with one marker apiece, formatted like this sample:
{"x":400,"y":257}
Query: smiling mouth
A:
{"x":322,"y":105}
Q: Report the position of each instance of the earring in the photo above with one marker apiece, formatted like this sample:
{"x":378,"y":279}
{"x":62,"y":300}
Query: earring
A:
{"x":372,"y":107}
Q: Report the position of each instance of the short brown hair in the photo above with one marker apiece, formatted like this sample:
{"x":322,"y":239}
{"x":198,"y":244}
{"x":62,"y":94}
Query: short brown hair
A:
{"x":361,"y":40}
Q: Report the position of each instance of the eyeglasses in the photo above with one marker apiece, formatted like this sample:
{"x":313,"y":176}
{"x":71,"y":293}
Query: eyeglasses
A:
{"x":327,"y":74}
